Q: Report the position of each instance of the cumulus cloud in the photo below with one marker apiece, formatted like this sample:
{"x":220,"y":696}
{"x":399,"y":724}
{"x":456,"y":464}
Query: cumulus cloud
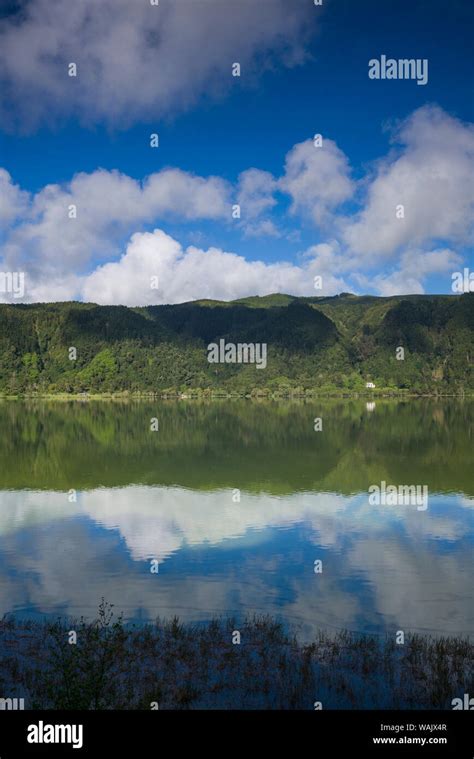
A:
{"x":192,"y":273}
{"x":262,"y":228}
{"x":256,"y":192}
{"x":431,"y":177}
{"x":105,"y":205}
{"x":13,"y":200}
{"x":317,"y":179}
{"x":134,"y":60}
{"x":108,"y":254}
{"x":414,"y":267}
{"x":256,"y":197}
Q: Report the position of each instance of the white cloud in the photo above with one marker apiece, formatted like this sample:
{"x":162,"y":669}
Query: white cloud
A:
{"x":187,"y":196}
{"x":256,"y":197}
{"x":317,"y":179}
{"x":134,"y":60}
{"x":326,"y":262}
{"x":415,"y":266}
{"x":371,"y":250}
{"x":51,"y":246}
{"x":256,"y":192}
{"x":194,"y":273}
{"x":264,"y":228}
{"x":432,"y":177}
{"x":13,"y":200}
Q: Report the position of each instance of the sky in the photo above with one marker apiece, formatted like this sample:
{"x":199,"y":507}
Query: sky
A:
{"x":238,"y":197}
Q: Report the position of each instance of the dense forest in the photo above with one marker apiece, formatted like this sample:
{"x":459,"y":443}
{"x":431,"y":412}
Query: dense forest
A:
{"x":324,"y":345}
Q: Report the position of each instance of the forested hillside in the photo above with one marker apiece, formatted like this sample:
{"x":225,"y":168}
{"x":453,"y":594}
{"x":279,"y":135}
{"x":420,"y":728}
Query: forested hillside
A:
{"x":319,"y":344}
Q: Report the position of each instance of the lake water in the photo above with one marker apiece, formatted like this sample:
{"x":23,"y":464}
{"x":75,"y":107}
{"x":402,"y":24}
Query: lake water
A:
{"x":171,"y":497}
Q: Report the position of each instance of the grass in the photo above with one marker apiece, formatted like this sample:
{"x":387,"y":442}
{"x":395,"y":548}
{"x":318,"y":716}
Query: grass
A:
{"x":184,"y":666}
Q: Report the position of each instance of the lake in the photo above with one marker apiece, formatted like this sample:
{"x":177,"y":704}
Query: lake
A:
{"x":204,"y":509}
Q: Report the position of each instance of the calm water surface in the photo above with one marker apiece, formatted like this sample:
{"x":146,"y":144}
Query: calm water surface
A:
{"x":171,"y":496}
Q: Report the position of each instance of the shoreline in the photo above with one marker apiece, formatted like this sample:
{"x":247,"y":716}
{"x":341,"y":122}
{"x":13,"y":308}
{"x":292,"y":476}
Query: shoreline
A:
{"x":252,"y":396}
{"x":257,"y":663}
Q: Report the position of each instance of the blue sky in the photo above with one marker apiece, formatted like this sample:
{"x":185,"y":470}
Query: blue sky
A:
{"x":305,"y":212}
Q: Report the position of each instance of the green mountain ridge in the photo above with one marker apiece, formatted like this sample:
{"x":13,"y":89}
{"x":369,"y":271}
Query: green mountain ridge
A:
{"x":314,"y":344}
